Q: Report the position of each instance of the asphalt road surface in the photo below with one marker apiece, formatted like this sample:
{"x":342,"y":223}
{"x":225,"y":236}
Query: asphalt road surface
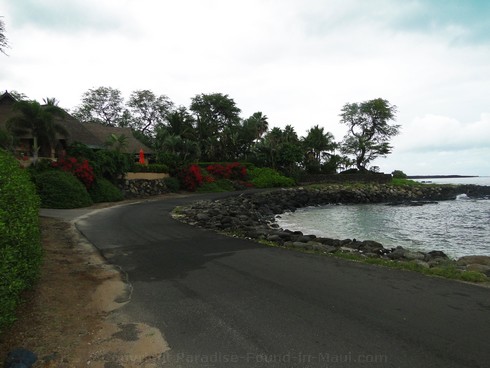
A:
{"x":225,"y":302}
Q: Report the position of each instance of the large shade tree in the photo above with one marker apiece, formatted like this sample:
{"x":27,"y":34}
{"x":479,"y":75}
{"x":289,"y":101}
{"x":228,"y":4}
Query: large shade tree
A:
{"x":148,"y":110}
{"x":369,"y":131}
{"x":103,"y":105}
{"x":39,"y":121}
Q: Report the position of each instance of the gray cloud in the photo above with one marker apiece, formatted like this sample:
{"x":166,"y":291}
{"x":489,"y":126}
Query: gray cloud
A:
{"x":62,"y":16}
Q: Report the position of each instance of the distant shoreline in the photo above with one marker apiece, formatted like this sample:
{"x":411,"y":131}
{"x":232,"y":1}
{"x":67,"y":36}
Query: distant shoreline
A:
{"x":441,"y":176}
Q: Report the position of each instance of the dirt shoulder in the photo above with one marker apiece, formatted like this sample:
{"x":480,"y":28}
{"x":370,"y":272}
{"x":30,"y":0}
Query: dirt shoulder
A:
{"x":72,"y":318}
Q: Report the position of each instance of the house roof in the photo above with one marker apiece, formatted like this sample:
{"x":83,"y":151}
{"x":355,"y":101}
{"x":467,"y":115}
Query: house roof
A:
{"x":103,"y":133}
{"x":7,"y":102}
{"x":92,"y":135}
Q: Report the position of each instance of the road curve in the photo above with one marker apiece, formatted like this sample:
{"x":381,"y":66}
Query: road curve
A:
{"x":225,"y":302}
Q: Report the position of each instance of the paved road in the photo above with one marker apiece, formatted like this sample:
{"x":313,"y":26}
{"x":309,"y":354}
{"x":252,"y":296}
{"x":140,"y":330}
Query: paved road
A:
{"x":223,"y":302}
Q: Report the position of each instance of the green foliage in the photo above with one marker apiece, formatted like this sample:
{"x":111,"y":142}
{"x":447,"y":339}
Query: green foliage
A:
{"x":221,"y":185}
{"x":38,"y":121}
{"x":172,"y":184}
{"x":398,"y":174}
{"x":151,"y":168}
{"x":103,"y":190}
{"x":369,"y":132}
{"x":216,"y":116}
{"x":111,"y":165}
{"x":40,"y":166}
{"x":269,"y":178}
{"x":405,"y":182}
{"x":80,"y":150}
{"x":20,"y":241}
{"x":449,"y":270}
{"x":60,"y":189}
{"x":103,"y":105}
{"x":147,"y":110}
{"x":6,"y":140}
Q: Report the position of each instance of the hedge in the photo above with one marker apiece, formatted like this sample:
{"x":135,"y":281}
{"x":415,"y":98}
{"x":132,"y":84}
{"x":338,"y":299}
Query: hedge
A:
{"x":61,"y":189}
{"x":103,"y":190}
{"x":20,"y":240}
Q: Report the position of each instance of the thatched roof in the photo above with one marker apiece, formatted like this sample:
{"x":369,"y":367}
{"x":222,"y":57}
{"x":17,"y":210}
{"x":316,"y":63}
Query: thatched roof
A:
{"x":7,"y":102}
{"x":103,"y":133}
{"x":91,"y":134}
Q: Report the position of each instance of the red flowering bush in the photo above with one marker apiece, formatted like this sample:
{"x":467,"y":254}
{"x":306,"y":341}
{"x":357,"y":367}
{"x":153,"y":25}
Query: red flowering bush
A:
{"x":191,"y":177}
{"x":233,"y":171}
{"x":82,"y":170}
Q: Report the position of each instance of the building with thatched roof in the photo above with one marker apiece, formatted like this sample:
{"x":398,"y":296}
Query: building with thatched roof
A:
{"x":93,"y":135}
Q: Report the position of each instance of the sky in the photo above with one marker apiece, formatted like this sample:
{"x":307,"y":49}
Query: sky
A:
{"x":297,"y":61}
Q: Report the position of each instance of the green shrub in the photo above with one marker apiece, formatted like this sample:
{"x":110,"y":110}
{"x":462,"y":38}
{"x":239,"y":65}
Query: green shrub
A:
{"x":20,"y":240}
{"x":405,"y":182}
{"x":151,"y":168}
{"x":269,"y":178}
{"x":42,"y":164}
{"x":103,"y":190}
{"x":111,"y":165}
{"x":221,"y":185}
{"x":60,"y":189}
{"x":172,"y":184}
{"x":398,"y":174}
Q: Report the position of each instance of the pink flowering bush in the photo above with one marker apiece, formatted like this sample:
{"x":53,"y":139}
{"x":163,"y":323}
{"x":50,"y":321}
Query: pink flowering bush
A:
{"x":81,"y":170}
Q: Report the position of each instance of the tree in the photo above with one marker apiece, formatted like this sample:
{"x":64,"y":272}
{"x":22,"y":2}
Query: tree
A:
{"x":369,"y":130}
{"x":6,"y":140}
{"x":147,"y":110}
{"x":19,"y":96}
{"x":103,"y":105}
{"x":280,"y":150}
{"x":213,"y":112}
{"x":117,"y":142}
{"x":3,"y":39}
{"x":181,"y":122}
{"x":40,"y":122}
{"x":174,"y":150}
{"x":258,"y":122}
{"x":317,"y":144}
{"x":51,"y":101}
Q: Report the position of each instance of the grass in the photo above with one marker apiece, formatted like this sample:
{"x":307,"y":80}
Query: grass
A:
{"x":397,"y":182}
{"x":447,"y":270}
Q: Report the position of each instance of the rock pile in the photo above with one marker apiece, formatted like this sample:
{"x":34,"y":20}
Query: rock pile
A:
{"x":252,"y":215}
{"x":137,"y":188}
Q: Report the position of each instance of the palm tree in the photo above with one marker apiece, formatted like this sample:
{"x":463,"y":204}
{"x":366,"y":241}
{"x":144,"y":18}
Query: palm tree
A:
{"x":50,"y":101}
{"x":38,"y":121}
{"x":318,"y":143}
{"x":117,"y":142}
{"x":259,"y":121}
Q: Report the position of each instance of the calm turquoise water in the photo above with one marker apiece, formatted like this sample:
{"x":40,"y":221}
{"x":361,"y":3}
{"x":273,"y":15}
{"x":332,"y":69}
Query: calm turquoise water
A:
{"x":458,"y":228}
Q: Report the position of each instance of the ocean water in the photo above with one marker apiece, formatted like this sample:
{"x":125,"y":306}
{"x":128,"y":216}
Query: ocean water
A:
{"x":480,"y":180}
{"x":459,"y":227}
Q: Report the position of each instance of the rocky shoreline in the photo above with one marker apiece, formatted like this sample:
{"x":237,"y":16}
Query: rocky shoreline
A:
{"x":252,"y":215}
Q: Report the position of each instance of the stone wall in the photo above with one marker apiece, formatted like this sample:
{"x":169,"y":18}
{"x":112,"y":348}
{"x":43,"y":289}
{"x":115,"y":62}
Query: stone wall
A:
{"x":143,"y":187}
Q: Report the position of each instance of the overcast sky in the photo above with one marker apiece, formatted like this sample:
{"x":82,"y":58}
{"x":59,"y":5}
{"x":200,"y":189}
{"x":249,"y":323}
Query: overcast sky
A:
{"x":297,"y":61}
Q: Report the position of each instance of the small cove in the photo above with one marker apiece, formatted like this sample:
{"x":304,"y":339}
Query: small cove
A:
{"x":457,"y":227}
